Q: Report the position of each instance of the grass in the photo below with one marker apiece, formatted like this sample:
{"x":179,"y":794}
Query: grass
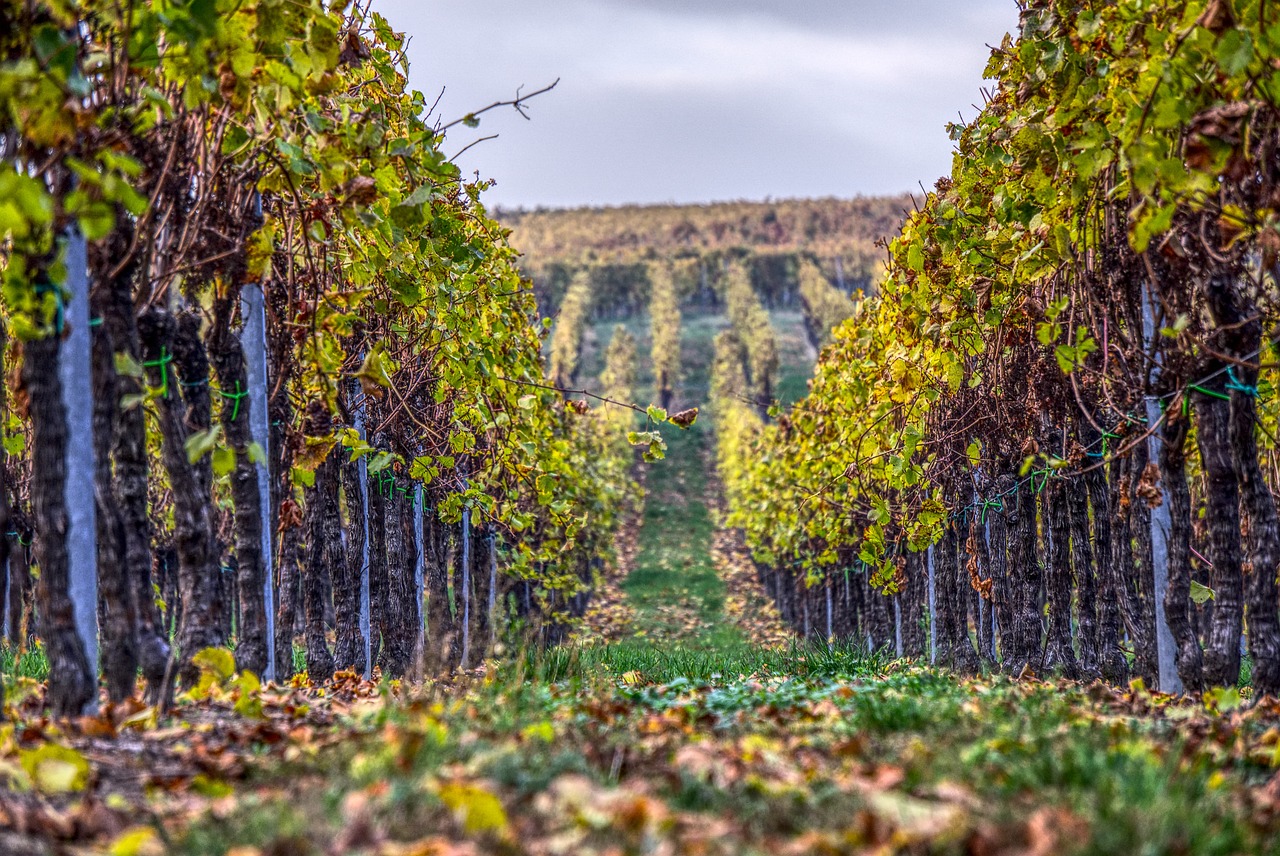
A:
{"x":674,"y":587}
{"x":23,"y":663}
{"x":644,"y":661}
{"x":697,"y":353}
{"x":795,"y":356}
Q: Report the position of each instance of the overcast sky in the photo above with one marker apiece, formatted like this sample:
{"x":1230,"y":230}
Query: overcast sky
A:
{"x":703,"y":100}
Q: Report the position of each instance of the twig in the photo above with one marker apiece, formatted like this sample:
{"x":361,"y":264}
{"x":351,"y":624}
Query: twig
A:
{"x":517,"y":102}
{"x":475,"y":142}
{"x":583,"y":392}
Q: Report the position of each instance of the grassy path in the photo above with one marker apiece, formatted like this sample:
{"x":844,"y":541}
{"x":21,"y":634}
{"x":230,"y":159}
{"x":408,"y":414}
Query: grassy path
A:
{"x":674,"y":588}
{"x":675,"y":591}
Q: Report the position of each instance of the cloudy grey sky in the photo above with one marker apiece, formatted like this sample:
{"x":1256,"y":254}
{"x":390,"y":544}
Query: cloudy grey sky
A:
{"x":702,"y":100}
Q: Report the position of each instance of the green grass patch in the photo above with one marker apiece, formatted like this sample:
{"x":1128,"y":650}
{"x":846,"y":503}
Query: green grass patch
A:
{"x":795,"y":356}
{"x":644,"y":662}
{"x":673,"y":586}
{"x":23,"y":663}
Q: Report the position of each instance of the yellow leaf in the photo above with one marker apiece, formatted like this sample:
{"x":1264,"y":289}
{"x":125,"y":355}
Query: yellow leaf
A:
{"x":249,"y":704}
{"x":142,"y":720}
{"x":56,"y":769}
{"x":219,"y":663}
{"x":755,"y":745}
{"x":543,"y":731}
{"x":137,"y":841}
{"x":212,"y":788}
{"x":479,"y":810}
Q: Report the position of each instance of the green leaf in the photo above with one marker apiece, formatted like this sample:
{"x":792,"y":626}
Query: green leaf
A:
{"x":915,"y":258}
{"x":974,"y":453}
{"x":14,"y":444}
{"x":1235,"y":51}
{"x":418,"y":197}
{"x":380,"y":462}
{"x":1147,"y":221}
{"x":1200,"y":593}
{"x":1222,"y":699}
{"x":376,"y":371}
{"x":224,"y":461}
{"x":543,"y":731}
{"x":202,"y":443}
{"x":96,"y":220}
{"x":249,"y":704}
{"x":127,"y":366}
{"x":1066,"y":357}
{"x":132,"y":400}
{"x":141,"y":840}
{"x":1179,"y":324}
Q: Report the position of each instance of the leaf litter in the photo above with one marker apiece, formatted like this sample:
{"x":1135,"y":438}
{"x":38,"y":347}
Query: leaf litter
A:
{"x":887,"y":757}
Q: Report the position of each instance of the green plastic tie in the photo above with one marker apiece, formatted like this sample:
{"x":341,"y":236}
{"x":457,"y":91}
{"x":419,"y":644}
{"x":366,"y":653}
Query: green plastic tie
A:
{"x":43,"y":288}
{"x":235,"y":396}
{"x":995,"y":504}
{"x":1210,"y":392}
{"x":163,"y":365}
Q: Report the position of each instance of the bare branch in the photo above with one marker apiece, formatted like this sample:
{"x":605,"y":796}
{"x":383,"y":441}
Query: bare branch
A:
{"x":474,"y":142}
{"x":518,"y":103}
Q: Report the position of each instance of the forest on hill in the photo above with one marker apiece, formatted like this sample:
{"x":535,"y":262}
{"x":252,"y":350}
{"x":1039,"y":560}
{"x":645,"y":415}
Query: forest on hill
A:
{"x":846,"y":238}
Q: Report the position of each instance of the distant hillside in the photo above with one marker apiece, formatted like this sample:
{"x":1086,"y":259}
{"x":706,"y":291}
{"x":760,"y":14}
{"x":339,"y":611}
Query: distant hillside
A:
{"x":616,"y":244}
